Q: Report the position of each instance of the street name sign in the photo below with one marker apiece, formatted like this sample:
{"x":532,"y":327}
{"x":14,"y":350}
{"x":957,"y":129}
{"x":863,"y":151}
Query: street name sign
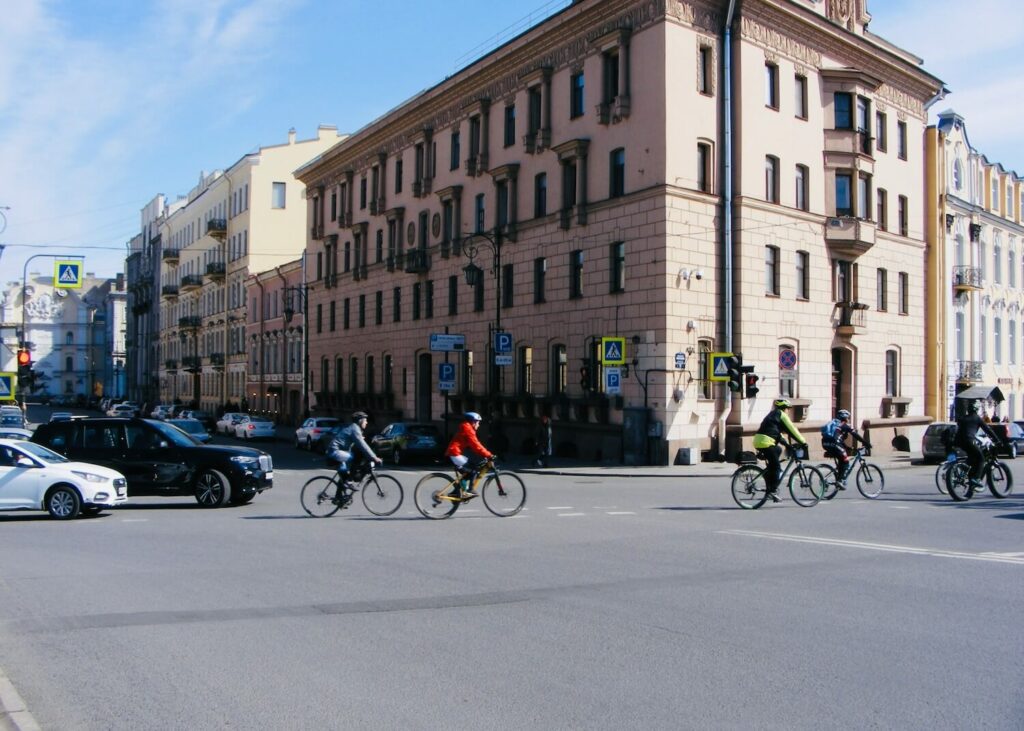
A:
{"x":445,"y":343}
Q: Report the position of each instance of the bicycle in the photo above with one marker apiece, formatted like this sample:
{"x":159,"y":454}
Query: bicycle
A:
{"x":806,"y":484}
{"x":869,"y":477}
{"x":323,"y":496}
{"x":438,"y":494}
{"x":994,"y":474}
{"x":943,"y":468}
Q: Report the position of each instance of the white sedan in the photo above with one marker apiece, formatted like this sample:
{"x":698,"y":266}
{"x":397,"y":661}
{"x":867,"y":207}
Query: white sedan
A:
{"x":255,"y":427}
{"x":226,"y":424}
{"x":33,"y":477}
{"x":312,"y":429}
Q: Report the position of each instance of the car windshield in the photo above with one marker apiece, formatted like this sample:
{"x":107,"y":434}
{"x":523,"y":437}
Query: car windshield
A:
{"x":260,"y":419}
{"x":11,"y":420}
{"x":173,"y":434}
{"x":187,"y":425}
{"x":41,"y":453}
{"x":199,"y":415}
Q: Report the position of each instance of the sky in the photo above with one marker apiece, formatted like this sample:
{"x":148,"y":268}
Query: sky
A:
{"x":106,"y":103}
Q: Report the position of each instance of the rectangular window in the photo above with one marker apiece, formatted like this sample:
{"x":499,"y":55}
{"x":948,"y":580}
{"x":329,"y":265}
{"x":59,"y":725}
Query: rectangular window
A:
{"x":378,"y":308}
{"x":396,"y":305}
{"x":882,"y":283}
{"x":864,"y":124}
{"x":474,"y":136}
{"x":617,"y":173}
{"x":534,"y":100}
{"x":771,"y":86}
{"x":903,"y":215}
{"x":843,"y":108}
{"x":617,"y":267}
{"x":362,"y":193}
{"x":844,"y":194}
{"x":803,"y":275}
{"x":771,"y":179}
{"x":864,"y":196}
{"x":453,"y":295}
{"x":704,"y":167}
{"x":882,"y":209}
{"x":416,"y":293}
{"x":892,"y":373}
{"x":771,"y":270}
{"x":705,"y":59}
{"x":904,"y":293}
{"x":525,"y":370}
{"x":997,"y":339}
{"x":362,"y":310}
{"x":575,"y":274}
{"x":398,"y":175}
{"x":428,"y":299}
{"x":540,"y":268}
{"x":456,"y":156}
{"x":277,"y":195}
{"x":801,"y":181}
{"x":331,"y":319}
{"x":478,"y":217}
{"x":576,"y":96}
{"x":610,"y":63}
{"x":540,"y":195}
{"x":510,"y":125}
{"x":800,"y":96}
{"x":319,"y":318}
{"x":568,"y":185}
{"x":479,"y":295}
{"x":334,"y":205}
{"x":881,"y":131}
{"x":501,"y":193}
{"x":508,"y":286}
{"x":901,"y":140}
{"x":346,"y":313}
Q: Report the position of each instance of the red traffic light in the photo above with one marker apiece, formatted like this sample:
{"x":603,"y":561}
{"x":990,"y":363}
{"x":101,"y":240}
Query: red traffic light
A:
{"x":24,"y":358}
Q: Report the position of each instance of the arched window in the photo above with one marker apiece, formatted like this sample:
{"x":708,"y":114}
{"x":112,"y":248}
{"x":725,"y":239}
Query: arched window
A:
{"x":353,"y":374}
{"x":559,"y":369}
{"x":69,"y":363}
{"x":325,"y":373}
{"x":338,"y":369}
{"x":371,"y":375}
{"x":958,"y":175}
{"x":69,"y":339}
{"x":892,"y":375}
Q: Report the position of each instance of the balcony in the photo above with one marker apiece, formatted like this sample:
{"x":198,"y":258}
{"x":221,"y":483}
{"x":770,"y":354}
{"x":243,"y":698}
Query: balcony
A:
{"x":216,"y":360}
{"x":170,"y":256}
{"x":852,"y":320}
{"x":171,"y":364}
{"x":169,"y":291}
{"x":190,"y":282}
{"x":841,"y":145}
{"x":966,"y":371}
{"x":849,"y":236}
{"x":316,"y":232}
{"x":191,"y":322}
{"x":215,"y":271}
{"x":191,"y":364}
{"x":217,"y":228}
{"x":417,"y":261}
{"x":967,"y":279}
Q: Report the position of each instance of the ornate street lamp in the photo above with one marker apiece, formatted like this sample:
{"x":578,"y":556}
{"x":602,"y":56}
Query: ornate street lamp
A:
{"x":473,"y":242}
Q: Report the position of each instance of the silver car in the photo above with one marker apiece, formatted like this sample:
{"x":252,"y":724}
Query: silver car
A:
{"x":255,"y":427}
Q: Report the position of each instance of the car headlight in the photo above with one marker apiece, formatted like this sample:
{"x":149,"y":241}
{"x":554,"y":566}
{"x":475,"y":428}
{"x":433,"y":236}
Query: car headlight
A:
{"x":246,"y":461}
{"x":90,"y":476}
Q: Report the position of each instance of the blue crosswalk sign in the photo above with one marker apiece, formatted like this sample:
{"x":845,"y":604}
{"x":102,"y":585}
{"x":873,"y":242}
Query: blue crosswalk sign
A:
{"x":6,"y":386}
{"x":67,"y":275}
{"x":613,"y":351}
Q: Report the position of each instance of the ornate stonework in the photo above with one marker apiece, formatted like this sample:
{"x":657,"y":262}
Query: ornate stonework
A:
{"x":772,"y":39}
{"x":44,"y":307}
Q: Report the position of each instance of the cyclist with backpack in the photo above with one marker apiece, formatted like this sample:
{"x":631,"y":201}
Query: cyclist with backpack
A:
{"x":833,"y":441}
{"x":967,"y":428}
{"x":767,"y":439}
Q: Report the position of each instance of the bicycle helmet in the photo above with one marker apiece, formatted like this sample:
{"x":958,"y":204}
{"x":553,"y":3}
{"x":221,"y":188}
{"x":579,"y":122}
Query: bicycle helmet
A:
{"x":473,"y":416}
{"x":360,"y":415}
{"x":843,"y":415}
{"x":782,"y":403}
{"x":973,"y":406}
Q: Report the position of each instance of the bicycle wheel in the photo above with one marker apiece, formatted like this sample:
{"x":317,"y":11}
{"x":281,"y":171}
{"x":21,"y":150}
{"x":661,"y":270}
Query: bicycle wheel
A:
{"x":504,"y":493}
{"x":870,"y":480}
{"x":428,"y":496}
{"x":958,"y":483}
{"x":749,"y":488}
{"x":940,"y":476}
{"x":382,"y":494}
{"x":831,"y":478}
{"x":999,"y":479}
{"x":806,"y":486}
{"x":318,"y":497}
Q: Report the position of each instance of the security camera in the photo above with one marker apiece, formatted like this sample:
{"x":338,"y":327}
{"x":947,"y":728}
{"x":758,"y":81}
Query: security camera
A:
{"x":699,"y":274}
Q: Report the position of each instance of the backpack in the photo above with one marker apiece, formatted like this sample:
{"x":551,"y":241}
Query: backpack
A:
{"x":829,"y":431}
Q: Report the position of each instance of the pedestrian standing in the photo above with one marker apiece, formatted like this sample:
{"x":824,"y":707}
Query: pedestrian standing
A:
{"x":542,"y":440}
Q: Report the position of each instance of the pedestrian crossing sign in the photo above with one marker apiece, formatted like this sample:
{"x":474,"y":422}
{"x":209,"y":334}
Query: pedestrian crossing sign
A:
{"x":67,"y":275}
{"x":613,"y":351}
{"x":718,"y":366}
{"x":7,"y":381}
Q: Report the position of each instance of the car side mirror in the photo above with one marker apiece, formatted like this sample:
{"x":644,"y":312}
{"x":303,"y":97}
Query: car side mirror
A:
{"x":24,"y":462}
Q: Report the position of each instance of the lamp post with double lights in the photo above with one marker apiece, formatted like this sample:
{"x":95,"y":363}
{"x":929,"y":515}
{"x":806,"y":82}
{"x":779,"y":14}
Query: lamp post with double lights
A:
{"x":291,"y":294}
{"x":474,"y":278}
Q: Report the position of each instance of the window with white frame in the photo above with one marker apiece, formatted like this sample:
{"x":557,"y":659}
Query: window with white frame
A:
{"x":997,"y":259}
{"x":997,"y":340}
{"x":892,"y":373}
{"x":1011,"y":345}
{"x":882,"y":282}
{"x":994,"y":200}
{"x":771,"y":179}
{"x":771,"y":86}
{"x":1011,"y":266}
{"x":771,"y":270}
{"x":803,"y":275}
{"x":983,"y":337}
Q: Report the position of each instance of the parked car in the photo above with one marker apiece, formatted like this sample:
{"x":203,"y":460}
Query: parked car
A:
{"x":61,"y":416}
{"x":158,"y":459}
{"x":12,"y":421}
{"x":321,"y":444}
{"x":226,"y":423}
{"x":255,"y":427}
{"x":935,"y":440}
{"x":401,"y":442}
{"x":193,"y":427}
{"x":161,"y":411}
{"x":10,"y":409}
{"x":122,"y":409}
{"x":33,"y":477}
{"x":311,"y":429}
{"x":208,"y":422}
{"x":1012,"y":435}
{"x":13,"y":433}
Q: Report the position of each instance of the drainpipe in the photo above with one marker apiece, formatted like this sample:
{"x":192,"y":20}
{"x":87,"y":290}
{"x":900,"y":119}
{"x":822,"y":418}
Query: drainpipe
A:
{"x":727,"y":150}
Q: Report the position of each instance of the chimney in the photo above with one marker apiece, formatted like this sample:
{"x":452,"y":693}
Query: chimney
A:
{"x":119,"y":282}
{"x":291,"y":136}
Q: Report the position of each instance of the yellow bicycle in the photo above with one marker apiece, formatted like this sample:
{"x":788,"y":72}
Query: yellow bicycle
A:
{"x":438,"y":494}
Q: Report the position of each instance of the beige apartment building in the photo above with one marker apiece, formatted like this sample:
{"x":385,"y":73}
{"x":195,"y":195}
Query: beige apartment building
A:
{"x":249,"y":218}
{"x":691,"y":177}
{"x":977,"y":268}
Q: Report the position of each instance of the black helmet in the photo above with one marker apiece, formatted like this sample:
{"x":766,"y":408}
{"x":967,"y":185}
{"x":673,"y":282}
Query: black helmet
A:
{"x":360,"y":415}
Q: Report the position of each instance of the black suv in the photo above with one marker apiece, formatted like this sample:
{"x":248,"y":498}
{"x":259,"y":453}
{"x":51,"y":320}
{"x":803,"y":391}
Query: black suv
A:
{"x":158,"y":459}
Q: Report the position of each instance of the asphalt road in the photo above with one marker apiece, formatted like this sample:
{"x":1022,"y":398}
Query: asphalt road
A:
{"x":607,"y":604}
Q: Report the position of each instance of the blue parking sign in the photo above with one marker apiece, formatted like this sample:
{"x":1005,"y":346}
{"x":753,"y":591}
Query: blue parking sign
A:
{"x":445,"y":376}
{"x":502,"y":342}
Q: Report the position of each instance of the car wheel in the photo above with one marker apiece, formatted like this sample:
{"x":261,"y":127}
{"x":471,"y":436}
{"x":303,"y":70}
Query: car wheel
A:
{"x":63,"y":503}
{"x":213,"y":489}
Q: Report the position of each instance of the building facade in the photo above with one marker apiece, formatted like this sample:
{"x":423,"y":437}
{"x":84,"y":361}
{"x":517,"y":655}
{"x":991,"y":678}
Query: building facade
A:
{"x":583,"y":168}
{"x":248,"y":218}
{"x":977,"y":268}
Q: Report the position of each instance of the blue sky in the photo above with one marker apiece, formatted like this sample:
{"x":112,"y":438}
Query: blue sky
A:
{"x":106,"y":103}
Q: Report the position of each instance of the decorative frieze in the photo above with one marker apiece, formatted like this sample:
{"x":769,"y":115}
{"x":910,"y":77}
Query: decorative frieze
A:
{"x":772,"y":39}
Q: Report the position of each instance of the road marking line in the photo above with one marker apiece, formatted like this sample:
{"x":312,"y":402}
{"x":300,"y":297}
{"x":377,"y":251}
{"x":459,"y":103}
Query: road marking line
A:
{"x":885,"y":547}
{"x":899,"y":507}
{"x":134,"y":520}
{"x":605,"y":507}
{"x":561,"y":507}
{"x":621,"y":512}
{"x":570,"y":515}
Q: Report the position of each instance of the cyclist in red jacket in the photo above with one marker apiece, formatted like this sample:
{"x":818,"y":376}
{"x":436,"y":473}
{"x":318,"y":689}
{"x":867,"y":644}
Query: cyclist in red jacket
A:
{"x":463,"y":445}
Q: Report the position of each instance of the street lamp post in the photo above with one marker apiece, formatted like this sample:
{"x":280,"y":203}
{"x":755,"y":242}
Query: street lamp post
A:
{"x":300,"y":292}
{"x":472,"y":244}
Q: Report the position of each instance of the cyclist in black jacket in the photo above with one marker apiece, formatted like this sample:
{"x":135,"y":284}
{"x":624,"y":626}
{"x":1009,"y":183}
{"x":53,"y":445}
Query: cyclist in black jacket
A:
{"x":967,"y":427}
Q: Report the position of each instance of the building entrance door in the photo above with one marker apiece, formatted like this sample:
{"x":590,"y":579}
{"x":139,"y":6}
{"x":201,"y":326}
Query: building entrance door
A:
{"x":424,"y":381}
{"x":842,"y":379}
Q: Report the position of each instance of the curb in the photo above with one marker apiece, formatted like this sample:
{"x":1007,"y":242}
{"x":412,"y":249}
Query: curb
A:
{"x":612,"y":472}
{"x":13,"y":713}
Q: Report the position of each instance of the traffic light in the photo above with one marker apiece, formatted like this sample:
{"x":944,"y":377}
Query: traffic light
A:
{"x":750,"y":380}
{"x":734,"y":368}
{"x":24,"y":363}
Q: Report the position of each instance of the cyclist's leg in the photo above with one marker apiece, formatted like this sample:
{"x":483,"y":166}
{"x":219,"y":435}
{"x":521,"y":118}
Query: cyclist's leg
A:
{"x":976,"y":460}
{"x":460,"y":461}
{"x":773,"y":467}
{"x":343,"y":496}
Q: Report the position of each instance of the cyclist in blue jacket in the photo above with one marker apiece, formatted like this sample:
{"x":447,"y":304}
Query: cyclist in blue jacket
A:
{"x":833,"y":441}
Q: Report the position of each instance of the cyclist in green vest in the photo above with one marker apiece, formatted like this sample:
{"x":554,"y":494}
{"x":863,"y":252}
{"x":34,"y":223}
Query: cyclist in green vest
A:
{"x":767,"y":443}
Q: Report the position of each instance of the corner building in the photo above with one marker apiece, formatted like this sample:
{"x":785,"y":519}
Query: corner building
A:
{"x":592,"y":152}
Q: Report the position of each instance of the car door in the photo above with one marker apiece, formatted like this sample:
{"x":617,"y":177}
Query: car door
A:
{"x":156,"y":465}
{"x":20,"y":487}
{"x":98,"y":442}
